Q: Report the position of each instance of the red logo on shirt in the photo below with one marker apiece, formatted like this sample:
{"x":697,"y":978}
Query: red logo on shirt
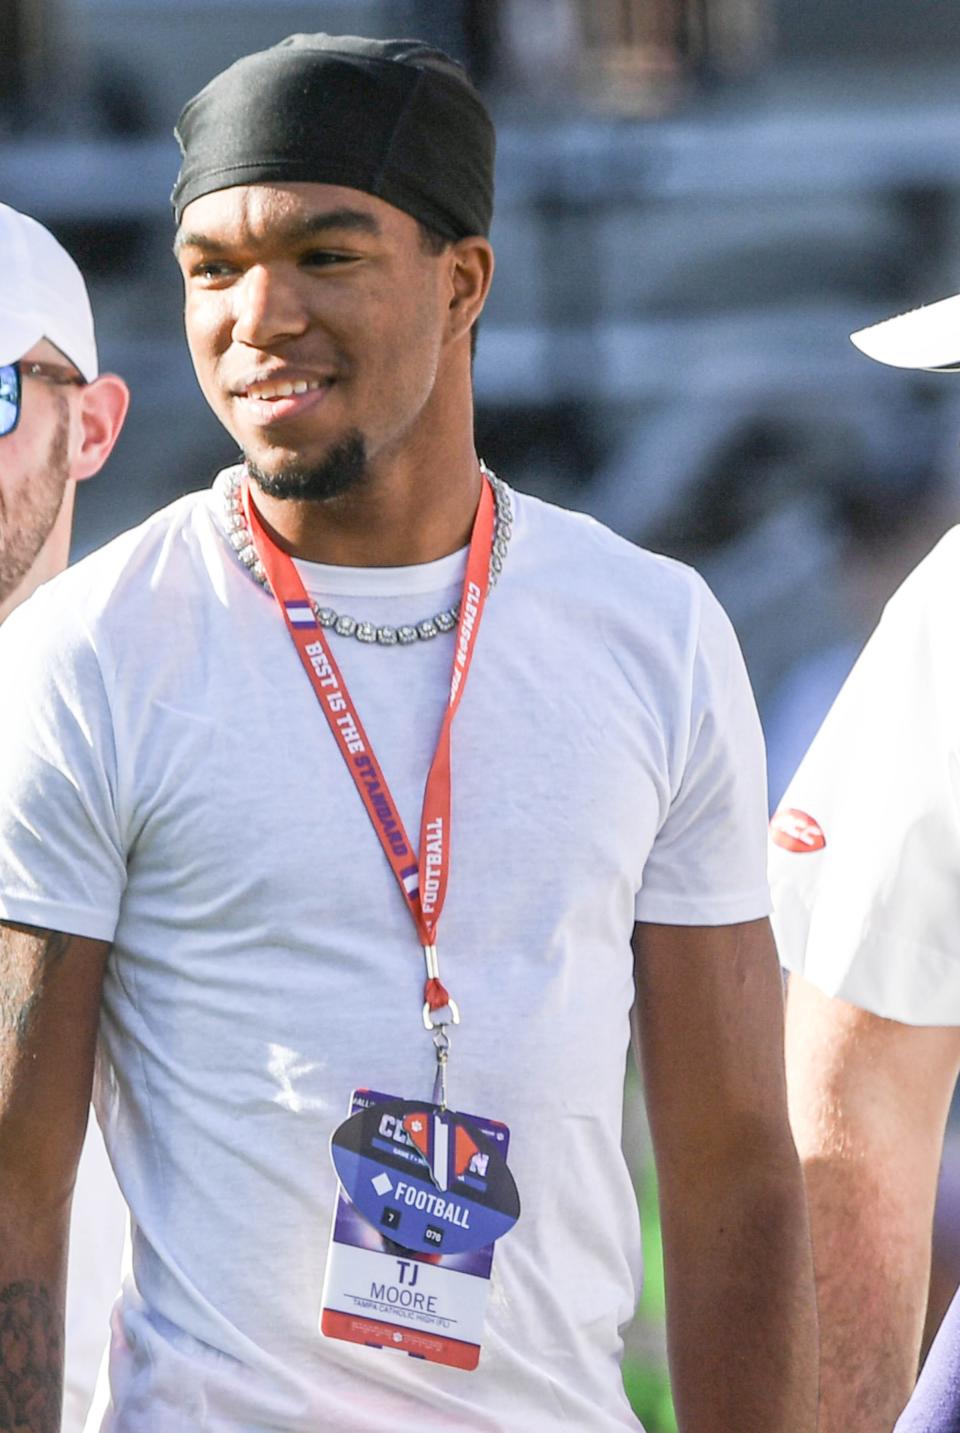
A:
{"x":796,"y":831}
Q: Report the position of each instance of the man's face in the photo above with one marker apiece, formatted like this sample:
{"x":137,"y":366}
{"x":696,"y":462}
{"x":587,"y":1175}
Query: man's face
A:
{"x":34,"y":468}
{"x":315,"y":319}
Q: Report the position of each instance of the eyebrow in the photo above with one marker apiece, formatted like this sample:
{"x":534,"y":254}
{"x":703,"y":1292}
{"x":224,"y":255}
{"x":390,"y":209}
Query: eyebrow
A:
{"x":295,"y":231}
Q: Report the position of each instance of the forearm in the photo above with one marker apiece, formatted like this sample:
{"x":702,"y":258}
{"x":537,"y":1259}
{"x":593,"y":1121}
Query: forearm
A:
{"x":49,"y":1003}
{"x":740,"y":1299}
{"x":868,"y":1102}
{"x":32,"y":1282}
{"x":872,"y":1259}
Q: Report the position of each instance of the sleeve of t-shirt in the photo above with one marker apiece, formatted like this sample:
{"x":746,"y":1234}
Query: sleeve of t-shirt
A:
{"x":62,"y":866}
{"x":708,"y":862}
{"x":865,"y":847}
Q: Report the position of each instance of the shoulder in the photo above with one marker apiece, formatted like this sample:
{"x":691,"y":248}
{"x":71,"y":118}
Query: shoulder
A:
{"x":167,"y":545}
{"x":580,"y":562}
{"x":125,"y":572}
{"x":140,"y":580}
{"x":864,"y":851}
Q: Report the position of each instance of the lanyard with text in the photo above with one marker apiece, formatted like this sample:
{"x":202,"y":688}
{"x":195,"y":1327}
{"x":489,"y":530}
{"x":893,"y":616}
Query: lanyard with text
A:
{"x":422,"y":881}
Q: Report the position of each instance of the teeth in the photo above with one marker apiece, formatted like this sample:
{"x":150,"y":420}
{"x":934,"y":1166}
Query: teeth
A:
{"x":285,"y":390}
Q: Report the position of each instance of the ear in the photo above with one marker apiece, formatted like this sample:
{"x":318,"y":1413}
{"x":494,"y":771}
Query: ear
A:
{"x":103,"y":407}
{"x":471,"y":273}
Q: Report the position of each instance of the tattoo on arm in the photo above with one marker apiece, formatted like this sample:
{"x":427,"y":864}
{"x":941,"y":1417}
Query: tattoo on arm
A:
{"x":21,"y":983}
{"x":31,"y":1360}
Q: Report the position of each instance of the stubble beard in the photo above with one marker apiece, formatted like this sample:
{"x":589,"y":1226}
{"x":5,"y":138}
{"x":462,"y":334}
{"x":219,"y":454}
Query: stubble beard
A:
{"x":26,"y":522}
{"x":341,"y":470}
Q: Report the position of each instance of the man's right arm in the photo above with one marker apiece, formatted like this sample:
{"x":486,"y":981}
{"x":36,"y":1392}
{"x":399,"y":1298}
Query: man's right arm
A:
{"x":868,"y":1103}
{"x":50,"y":985}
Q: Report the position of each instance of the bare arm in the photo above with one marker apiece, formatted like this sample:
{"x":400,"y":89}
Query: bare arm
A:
{"x":741,"y":1317}
{"x":868,"y":1102}
{"x":50,"y":987}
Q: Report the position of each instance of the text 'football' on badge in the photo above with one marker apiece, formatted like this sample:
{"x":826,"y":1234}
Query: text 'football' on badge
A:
{"x":428,"y":1179}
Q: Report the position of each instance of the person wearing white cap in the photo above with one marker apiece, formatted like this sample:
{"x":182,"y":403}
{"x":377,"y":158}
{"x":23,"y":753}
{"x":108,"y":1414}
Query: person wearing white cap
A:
{"x":865,"y":872}
{"x":59,"y":417}
{"x":59,"y":420}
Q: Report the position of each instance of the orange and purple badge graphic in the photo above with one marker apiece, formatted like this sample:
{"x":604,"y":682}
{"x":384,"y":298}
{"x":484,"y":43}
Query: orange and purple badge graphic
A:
{"x":428,"y":1179}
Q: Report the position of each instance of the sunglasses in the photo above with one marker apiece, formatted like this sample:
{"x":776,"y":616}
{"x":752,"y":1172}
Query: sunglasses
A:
{"x":11,"y":387}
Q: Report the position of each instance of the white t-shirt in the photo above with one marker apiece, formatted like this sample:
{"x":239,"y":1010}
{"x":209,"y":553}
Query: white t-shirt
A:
{"x":867,"y":904}
{"x":168,"y":784}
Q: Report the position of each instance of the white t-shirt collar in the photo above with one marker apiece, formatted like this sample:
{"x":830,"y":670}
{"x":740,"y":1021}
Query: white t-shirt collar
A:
{"x":329,"y":579}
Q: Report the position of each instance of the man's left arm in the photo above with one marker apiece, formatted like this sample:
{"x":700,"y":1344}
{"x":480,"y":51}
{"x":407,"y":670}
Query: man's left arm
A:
{"x":741,"y":1312}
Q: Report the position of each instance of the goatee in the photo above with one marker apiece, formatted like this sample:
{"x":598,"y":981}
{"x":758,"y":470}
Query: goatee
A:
{"x":341,"y":470}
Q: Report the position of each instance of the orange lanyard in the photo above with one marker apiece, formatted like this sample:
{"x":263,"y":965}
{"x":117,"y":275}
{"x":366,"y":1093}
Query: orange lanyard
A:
{"x":423,"y":878}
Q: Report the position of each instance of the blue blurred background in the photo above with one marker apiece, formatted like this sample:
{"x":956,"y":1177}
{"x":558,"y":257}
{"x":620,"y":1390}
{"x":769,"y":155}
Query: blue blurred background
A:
{"x":698,"y":200}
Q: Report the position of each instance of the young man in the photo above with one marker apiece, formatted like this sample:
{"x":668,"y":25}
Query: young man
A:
{"x":866,"y":873}
{"x":568,"y":722}
{"x":59,"y":419}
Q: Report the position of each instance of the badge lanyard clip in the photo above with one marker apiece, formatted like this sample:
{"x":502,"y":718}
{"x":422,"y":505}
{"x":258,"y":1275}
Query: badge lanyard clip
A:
{"x":441,"y":1043}
{"x":441,"y":1040}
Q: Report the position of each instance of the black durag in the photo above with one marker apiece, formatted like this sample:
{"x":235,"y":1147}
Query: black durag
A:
{"x":393,"y":118}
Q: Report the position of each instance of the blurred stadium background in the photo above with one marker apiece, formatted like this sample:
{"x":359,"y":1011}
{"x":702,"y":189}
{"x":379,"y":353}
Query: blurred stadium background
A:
{"x":698,"y":200}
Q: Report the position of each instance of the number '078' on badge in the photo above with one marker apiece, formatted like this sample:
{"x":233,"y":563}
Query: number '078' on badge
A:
{"x":429,"y":1300}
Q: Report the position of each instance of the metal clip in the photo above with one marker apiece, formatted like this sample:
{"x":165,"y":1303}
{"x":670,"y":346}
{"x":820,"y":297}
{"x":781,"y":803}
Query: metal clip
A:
{"x":431,"y":1024}
{"x":441,"y":1042}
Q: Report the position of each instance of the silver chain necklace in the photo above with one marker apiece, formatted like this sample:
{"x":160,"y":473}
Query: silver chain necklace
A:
{"x":241,"y":540}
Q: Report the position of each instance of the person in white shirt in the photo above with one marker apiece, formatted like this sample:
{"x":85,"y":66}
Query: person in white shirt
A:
{"x":59,"y":420}
{"x":230,"y":885}
{"x":865,"y":870}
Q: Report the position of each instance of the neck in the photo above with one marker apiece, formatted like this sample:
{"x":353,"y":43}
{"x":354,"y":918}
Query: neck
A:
{"x":407,"y":511}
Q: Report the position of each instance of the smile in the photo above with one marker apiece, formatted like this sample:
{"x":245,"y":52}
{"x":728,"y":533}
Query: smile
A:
{"x":278,"y":400}
{"x":285,"y":389}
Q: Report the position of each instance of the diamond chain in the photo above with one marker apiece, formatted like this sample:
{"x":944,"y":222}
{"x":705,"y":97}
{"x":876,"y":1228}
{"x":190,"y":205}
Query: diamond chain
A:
{"x":241,"y":540}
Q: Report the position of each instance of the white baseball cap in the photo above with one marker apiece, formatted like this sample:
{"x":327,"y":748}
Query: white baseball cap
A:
{"x":927,"y":337}
{"x":42,"y":295}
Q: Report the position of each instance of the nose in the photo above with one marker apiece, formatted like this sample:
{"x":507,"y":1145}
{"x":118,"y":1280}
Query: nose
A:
{"x":268,"y":308}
